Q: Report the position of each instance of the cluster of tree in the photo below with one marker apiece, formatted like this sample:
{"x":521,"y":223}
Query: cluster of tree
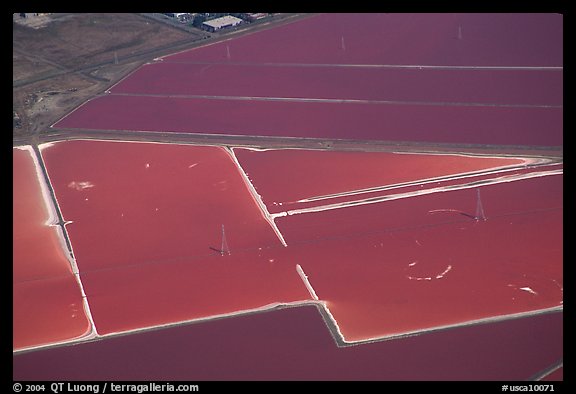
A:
{"x":198,"y":20}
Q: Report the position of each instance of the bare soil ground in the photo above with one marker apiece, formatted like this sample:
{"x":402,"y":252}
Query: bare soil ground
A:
{"x":62,"y":60}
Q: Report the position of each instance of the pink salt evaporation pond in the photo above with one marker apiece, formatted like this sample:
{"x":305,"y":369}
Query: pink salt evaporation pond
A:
{"x":48,"y":306}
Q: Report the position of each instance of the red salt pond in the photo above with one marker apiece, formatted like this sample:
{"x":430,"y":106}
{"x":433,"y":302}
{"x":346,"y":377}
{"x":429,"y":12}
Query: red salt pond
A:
{"x":433,"y":86}
{"x":471,"y":39}
{"x":334,"y":120}
{"x":47,"y":300}
{"x":468,"y":78}
{"x":300,"y":175}
{"x":374,"y":266}
{"x":146,"y":219}
{"x":293,"y":344}
{"x":147,"y":233}
{"x":414,"y":189}
{"x":416,"y":263}
{"x":146,"y":295}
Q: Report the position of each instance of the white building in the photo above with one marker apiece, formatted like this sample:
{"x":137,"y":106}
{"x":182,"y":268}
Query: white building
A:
{"x":220,"y":23}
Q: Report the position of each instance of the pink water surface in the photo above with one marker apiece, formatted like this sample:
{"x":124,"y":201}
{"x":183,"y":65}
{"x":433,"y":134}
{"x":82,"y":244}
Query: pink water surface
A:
{"x":47,"y":300}
{"x":394,"y":267}
{"x":299,"y":174}
{"x":147,"y":233}
{"x":146,"y":219}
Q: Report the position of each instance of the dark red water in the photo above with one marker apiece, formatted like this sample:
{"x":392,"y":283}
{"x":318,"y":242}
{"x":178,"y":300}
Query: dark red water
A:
{"x":519,"y":39}
{"x":294,"y":344}
{"x":314,"y":58}
{"x":498,"y":87}
{"x":47,"y":301}
{"x":424,"y":123}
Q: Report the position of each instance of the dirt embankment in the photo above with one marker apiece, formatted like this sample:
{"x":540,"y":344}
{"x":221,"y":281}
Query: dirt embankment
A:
{"x":62,"y":60}
{"x":68,"y":58}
